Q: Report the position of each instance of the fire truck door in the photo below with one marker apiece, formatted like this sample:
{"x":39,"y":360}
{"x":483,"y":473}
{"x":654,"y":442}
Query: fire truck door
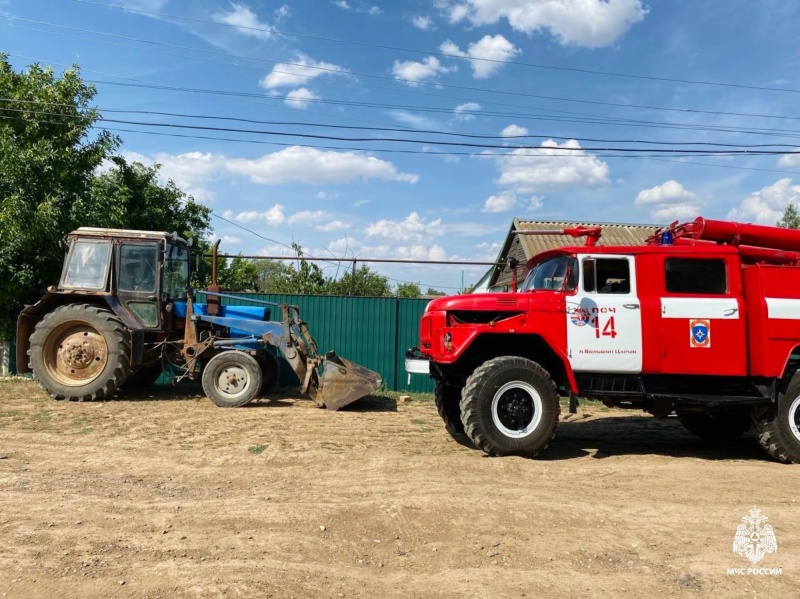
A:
{"x":702,"y":320}
{"x":604,"y":319}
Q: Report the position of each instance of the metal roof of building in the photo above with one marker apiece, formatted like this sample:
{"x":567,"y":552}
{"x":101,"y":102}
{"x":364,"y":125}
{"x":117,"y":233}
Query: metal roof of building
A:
{"x":524,"y":247}
{"x":612,"y":234}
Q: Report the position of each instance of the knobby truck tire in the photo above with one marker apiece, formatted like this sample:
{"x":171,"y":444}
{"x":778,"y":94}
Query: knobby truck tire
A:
{"x":80,"y":352}
{"x":447,"y":400}
{"x":773,"y":424}
{"x":510,"y":406}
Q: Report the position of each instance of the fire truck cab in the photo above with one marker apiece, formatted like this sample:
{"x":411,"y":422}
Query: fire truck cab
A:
{"x":703,"y":322}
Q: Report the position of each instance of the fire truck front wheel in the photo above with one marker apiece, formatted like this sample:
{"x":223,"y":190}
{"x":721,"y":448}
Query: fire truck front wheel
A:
{"x":510,"y":406}
{"x":778,"y":425}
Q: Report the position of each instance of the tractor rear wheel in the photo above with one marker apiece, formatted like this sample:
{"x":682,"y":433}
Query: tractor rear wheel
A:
{"x":231,"y":379}
{"x":510,"y":406}
{"x":80,"y":352}
{"x":778,"y":424}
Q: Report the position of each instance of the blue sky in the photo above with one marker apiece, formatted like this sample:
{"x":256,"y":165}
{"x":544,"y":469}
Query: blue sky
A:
{"x":422,"y":65}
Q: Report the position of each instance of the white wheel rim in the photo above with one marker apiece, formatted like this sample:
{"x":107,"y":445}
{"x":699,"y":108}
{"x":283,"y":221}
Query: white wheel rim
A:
{"x":511,"y":402}
{"x":232,"y":381}
{"x":794,"y":416}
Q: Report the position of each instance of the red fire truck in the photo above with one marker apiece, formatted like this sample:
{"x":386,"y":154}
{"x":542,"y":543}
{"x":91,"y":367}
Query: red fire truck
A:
{"x":702,"y":321}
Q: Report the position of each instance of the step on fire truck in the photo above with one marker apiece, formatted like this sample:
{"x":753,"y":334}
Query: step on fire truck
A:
{"x":703,"y":321}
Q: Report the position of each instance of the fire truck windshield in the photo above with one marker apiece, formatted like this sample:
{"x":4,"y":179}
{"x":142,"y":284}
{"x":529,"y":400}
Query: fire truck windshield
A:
{"x":556,"y":273}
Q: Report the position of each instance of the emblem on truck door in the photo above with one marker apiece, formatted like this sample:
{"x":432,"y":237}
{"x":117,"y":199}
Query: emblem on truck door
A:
{"x":700,"y":333}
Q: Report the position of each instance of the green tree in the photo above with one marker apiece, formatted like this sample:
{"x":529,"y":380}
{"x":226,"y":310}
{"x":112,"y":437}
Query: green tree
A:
{"x":50,"y":155}
{"x":363,"y":282}
{"x":130,"y":196}
{"x":408,"y":290}
{"x":432,"y":291}
{"x":47,"y":164}
{"x":790,"y":218}
{"x":240,"y":274}
{"x":271,"y":275}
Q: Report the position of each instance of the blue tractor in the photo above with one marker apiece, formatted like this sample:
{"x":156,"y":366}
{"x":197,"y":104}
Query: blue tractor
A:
{"x":123,"y":310}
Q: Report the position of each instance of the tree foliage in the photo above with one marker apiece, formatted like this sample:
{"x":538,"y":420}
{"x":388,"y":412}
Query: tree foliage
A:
{"x":790,"y":218}
{"x":432,"y":291}
{"x":408,"y":290}
{"x":49,"y":183}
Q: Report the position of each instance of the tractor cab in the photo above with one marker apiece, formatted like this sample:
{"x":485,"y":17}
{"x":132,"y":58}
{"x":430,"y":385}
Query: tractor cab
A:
{"x":143,"y":270}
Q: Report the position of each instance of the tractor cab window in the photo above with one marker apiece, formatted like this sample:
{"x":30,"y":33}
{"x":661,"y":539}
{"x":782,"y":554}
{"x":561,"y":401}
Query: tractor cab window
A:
{"x":137,"y":268}
{"x":176,"y":271}
{"x":556,"y":273}
{"x":87,"y":265}
{"x":606,"y":275}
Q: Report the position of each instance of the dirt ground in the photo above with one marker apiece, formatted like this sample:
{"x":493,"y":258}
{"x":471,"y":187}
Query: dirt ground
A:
{"x":164,"y":495}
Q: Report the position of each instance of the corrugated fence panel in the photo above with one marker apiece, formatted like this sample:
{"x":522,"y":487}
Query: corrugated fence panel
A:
{"x":372,"y":331}
{"x":409,"y":313}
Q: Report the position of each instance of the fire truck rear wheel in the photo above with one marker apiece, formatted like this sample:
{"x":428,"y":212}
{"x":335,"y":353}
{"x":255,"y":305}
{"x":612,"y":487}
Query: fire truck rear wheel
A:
{"x":231,"y":379}
{"x":717,"y":426}
{"x":778,"y":425}
{"x":447,"y":399}
{"x":510,"y":406}
{"x":80,"y":352}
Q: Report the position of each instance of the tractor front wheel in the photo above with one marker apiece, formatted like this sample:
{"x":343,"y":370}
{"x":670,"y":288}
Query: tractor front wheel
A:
{"x":80,"y":352}
{"x":231,"y":379}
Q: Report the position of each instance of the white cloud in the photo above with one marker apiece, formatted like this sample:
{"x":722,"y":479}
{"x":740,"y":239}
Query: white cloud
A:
{"x":767,"y":205}
{"x":423,"y":22}
{"x":413,"y":120}
{"x":282,"y":12}
{"x":666,"y":192}
{"x":146,"y":5}
{"x":514,"y":131}
{"x":414,"y":73}
{"x":671,"y":212}
{"x":300,"y":98}
{"x":303,"y":70}
{"x":486,"y":55}
{"x":374,"y":11}
{"x":274,"y":216}
{"x":316,"y":167}
{"x":530,"y":170}
{"x":413,"y":227}
{"x":589,"y":23}
{"x":670,"y":201}
{"x":411,"y":251}
{"x":191,"y":172}
{"x":790,"y":160}
{"x":501,"y":202}
{"x":334,"y":225}
{"x":508,"y":200}
{"x":225,"y":239}
{"x":462,"y":111}
{"x":245,"y":21}
{"x":308,"y":217}
{"x":343,"y":4}
{"x":360,"y":203}
{"x":324,"y":195}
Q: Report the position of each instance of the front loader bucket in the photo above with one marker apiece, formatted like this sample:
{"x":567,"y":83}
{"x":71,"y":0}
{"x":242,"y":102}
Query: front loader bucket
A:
{"x":343,"y":382}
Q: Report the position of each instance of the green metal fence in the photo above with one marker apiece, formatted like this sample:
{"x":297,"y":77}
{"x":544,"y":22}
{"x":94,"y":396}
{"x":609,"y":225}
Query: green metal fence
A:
{"x":372,"y":331}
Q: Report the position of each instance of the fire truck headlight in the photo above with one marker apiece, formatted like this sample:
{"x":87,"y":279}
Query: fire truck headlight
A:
{"x":448,"y":342}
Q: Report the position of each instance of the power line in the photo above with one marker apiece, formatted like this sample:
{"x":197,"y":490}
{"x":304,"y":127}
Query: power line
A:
{"x":362,"y":128}
{"x":273,"y":30}
{"x":384,"y":77}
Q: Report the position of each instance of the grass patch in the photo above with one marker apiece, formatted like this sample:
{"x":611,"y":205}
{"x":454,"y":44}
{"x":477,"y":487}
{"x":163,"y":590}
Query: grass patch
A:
{"x":257,"y":449}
